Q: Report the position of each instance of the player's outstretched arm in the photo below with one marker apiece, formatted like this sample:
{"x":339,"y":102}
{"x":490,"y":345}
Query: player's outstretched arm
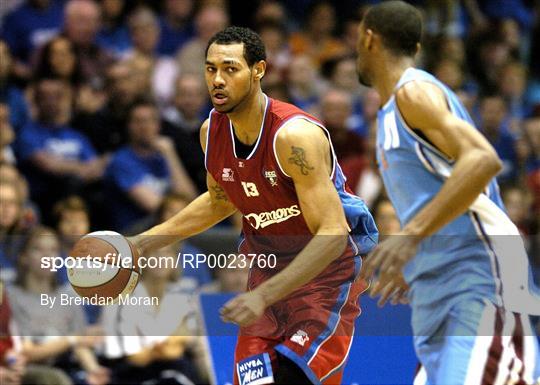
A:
{"x":424,"y":107}
{"x":205,"y":211}
{"x":304,"y":154}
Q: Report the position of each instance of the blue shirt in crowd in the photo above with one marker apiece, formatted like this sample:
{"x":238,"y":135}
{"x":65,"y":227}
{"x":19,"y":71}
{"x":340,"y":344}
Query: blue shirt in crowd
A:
{"x":172,"y":39}
{"x":28,"y":27}
{"x":126,"y":170}
{"x":17,"y":105}
{"x":62,"y":141}
{"x":115,"y":40}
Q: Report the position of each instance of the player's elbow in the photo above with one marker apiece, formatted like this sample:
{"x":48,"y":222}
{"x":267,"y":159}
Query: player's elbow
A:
{"x":491,"y":162}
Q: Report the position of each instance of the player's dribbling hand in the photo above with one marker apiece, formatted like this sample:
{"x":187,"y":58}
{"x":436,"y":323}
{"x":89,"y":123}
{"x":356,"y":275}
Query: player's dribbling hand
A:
{"x":244,"y":309}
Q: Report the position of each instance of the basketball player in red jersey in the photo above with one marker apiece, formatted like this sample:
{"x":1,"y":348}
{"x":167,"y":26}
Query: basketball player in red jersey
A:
{"x":275,"y":164}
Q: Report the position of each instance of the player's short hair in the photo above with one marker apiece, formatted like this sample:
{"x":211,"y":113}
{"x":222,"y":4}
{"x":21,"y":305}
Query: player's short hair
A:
{"x":254,"y":49}
{"x":398,"y":23}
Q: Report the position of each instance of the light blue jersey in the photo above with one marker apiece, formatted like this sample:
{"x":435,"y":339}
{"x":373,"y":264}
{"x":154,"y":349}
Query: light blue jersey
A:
{"x":478,"y":258}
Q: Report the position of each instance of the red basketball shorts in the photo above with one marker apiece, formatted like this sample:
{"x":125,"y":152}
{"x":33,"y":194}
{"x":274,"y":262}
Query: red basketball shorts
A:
{"x":313,"y":327}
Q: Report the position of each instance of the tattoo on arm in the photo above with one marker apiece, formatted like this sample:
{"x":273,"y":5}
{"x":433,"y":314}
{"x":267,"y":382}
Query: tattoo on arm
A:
{"x":219,"y":193}
{"x":299,"y":158}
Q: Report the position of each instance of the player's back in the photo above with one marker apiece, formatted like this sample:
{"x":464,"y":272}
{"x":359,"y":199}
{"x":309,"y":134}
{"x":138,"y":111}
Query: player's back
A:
{"x":473,"y":249}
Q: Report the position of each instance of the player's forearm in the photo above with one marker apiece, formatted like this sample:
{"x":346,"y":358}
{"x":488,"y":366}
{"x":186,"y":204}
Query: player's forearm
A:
{"x":471,"y":174}
{"x":312,"y":260}
{"x":198,"y":216}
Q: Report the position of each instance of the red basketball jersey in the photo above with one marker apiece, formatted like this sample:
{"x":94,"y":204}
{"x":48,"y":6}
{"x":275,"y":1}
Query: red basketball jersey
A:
{"x":257,"y":186}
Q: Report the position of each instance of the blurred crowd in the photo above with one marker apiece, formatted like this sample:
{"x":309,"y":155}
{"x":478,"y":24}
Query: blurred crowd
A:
{"x":100,"y":107}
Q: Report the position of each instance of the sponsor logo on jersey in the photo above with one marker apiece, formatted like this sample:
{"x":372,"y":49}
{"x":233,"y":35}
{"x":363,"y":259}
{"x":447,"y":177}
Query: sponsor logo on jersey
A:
{"x":240,"y":164}
{"x":255,"y":370}
{"x":300,"y":337}
{"x":267,"y":218}
{"x":227,"y":175}
{"x":272,"y":177}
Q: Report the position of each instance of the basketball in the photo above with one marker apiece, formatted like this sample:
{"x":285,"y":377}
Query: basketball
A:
{"x":104,"y":266}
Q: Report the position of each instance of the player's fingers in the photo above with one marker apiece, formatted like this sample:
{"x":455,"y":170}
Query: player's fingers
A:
{"x":229,"y":306}
{"x":388,"y":291}
{"x":370,"y":265}
{"x":397,"y":296}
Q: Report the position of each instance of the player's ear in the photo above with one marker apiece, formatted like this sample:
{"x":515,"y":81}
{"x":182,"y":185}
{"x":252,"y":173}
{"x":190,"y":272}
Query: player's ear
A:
{"x":260,"y":69}
{"x":369,"y":39}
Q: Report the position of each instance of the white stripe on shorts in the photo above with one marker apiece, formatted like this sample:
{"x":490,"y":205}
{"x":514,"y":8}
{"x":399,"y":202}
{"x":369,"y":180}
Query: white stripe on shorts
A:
{"x":482,"y":344}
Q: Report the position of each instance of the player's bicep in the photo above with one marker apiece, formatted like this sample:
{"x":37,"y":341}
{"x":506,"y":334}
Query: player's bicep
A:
{"x":304,"y":154}
{"x":424,"y":107}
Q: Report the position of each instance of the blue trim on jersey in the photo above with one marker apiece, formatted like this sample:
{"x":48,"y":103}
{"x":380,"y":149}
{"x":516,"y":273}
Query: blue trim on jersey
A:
{"x":302,"y":364}
{"x":332,"y":320}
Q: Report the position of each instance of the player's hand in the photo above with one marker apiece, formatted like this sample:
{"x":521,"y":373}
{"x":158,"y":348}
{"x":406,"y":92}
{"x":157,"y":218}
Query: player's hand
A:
{"x":396,"y":291}
{"x":244,"y":309}
{"x":388,"y":258}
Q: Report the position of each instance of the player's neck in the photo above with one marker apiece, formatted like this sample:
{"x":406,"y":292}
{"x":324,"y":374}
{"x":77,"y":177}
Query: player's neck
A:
{"x":247,"y":119}
{"x":388,"y":75}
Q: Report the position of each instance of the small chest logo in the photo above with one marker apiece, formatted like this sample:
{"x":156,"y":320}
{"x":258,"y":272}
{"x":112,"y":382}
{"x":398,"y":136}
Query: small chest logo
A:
{"x":300,"y":337}
{"x":240,"y":164}
{"x":272,"y":177}
{"x":227,"y":175}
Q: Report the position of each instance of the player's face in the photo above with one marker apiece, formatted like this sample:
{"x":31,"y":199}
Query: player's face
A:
{"x":362,"y":59}
{"x":228,"y":77}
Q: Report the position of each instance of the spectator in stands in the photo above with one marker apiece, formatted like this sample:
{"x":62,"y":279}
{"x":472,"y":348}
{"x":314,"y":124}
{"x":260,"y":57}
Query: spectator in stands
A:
{"x":449,"y":72}
{"x":151,"y":340}
{"x":81,"y":25}
{"x":7,"y":136}
{"x":532,"y":136}
{"x":49,"y":333}
{"x":10,"y":214}
{"x":28,"y":27}
{"x":305,"y":85}
{"x":336,"y":108}
{"x":58,"y":60}
{"x":142,"y":172}
{"x":342,"y":76}
{"x":56,"y":159}
{"x":228,"y":280}
{"x":512,"y":86}
{"x":278,"y":56}
{"x":144,"y":32}
{"x":72,"y":222}
{"x":316,"y":39}
{"x":12,"y":363}
{"x":494,"y":125}
{"x":113,"y":35}
{"x":10,"y":94}
{"x":272,"y":12}
{"x":183,"y":121}
{"x":176,"y":27}
{"x":106,"y":128}
{"x":209,"y":20}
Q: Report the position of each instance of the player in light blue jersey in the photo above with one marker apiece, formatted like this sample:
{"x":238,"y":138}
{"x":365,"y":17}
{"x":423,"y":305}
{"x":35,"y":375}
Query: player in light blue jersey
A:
{"x":460,"y":255}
